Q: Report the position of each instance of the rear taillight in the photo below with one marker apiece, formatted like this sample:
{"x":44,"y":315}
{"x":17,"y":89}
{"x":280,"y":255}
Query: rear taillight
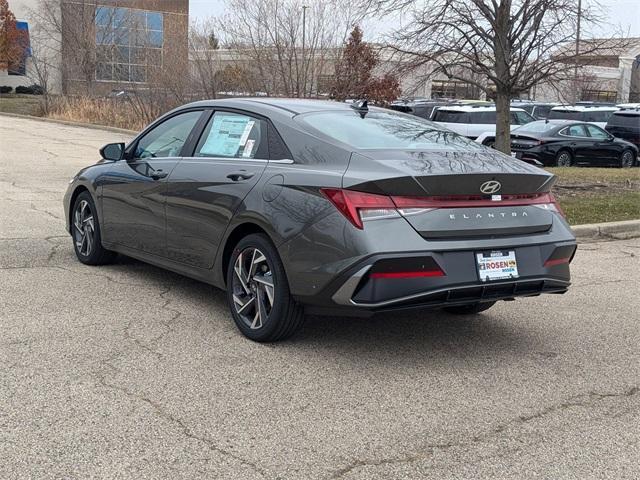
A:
{"x":357,"y":206}
{"x":360,"y":206}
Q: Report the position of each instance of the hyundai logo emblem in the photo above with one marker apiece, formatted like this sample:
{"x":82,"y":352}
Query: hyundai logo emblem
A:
{"x":490,"y":187}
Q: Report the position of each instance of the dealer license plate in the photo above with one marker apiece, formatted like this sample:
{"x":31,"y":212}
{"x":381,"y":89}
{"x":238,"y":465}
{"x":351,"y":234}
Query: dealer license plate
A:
{"x":497,"y":265}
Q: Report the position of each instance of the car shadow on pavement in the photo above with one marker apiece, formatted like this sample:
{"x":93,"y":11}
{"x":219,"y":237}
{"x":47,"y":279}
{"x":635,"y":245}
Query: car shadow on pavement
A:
{"x":430,"y":333}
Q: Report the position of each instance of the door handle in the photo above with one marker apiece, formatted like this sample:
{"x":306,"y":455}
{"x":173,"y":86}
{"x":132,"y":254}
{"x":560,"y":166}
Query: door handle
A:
{"x":240,"y":175}
{"x":158,"y":174}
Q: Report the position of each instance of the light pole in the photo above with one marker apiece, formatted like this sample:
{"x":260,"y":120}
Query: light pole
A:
{"x":304,"y":35}
{"x":575,"y":73}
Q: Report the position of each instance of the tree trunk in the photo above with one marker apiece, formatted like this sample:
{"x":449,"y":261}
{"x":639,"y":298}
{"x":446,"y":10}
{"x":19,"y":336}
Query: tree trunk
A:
{"x":503,"y":122}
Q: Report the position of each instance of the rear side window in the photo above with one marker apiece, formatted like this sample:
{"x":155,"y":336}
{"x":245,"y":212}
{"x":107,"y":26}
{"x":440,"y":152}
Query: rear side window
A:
{"x":385,"y":131}
{"x":233,"y":135}
{"x":483,"y":117}
{"x":564,"y":115}
{"x":541,"y":111}
{"x":574,"y":131}
{"x":625,"y":120}
{"x":597,"y":116}
{"x":450,"y":116}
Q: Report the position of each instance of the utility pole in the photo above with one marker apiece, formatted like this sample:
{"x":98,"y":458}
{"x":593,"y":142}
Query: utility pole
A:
{"x":304,"y":34}
{"x":575,"y":73}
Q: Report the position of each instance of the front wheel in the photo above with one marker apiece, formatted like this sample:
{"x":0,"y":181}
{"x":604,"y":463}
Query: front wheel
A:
{"x":85,"y":231}
{"x":564,"y":158}
{"x":626,"y":159}
{"x":258,"y":292}
{"x":469,"y":309}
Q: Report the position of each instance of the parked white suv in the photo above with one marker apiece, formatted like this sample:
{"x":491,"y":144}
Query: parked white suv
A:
{"x":473,"y":121}
{"x":598,"y":115}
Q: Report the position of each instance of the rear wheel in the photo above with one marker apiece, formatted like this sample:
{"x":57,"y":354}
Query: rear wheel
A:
{"x":85,"y":231}
{"x":626,"y":159}
{"x":564,"y":158}
{"x":469,"y":309}
{"x":258,"y":292}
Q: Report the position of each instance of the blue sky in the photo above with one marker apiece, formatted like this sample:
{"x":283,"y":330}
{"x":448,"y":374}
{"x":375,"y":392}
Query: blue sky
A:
{"x":623,"y":14}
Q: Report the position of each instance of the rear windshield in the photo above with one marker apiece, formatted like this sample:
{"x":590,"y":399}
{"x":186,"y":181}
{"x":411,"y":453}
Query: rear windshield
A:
{"x":625,"y":120}
{"x":381,"y":130}
{"x":536,"y":127}
{"x":450,"y":116}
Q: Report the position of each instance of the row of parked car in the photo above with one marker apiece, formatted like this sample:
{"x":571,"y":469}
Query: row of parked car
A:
{"x":545,"y":133}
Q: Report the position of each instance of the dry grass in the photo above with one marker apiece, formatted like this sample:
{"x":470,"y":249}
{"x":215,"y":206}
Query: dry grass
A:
{"x":22,"y":104}
{"x":99,"y":111}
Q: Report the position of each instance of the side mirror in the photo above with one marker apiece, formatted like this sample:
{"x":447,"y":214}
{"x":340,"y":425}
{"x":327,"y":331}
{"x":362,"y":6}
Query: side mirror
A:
{"x":611,"y":138}
{"x":112,"y":151}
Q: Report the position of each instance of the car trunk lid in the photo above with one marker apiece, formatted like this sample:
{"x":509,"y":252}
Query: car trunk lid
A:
{"x":448,"y":194}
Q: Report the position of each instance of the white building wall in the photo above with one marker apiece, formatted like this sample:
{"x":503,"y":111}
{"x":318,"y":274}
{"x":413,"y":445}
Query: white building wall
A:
{"x":44,"y":47}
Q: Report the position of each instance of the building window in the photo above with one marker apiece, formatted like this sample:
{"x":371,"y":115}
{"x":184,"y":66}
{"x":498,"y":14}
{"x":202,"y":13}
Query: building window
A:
{"x":128,"y":43}
{"x":454,"y":89}
{"x":599,"y":95}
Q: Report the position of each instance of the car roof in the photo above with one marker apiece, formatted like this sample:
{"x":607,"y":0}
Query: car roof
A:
{"x":293,"y":106}
{"x":475,"y":108}
{"x":584,"y":108}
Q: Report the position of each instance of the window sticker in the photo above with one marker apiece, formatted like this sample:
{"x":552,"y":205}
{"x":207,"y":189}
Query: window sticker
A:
{"x":248,"y":148}
{"x":226,"y":136}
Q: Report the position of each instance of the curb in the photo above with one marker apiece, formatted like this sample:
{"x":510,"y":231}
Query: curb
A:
{"x":69,"y":123}
{"x":607,"y":231}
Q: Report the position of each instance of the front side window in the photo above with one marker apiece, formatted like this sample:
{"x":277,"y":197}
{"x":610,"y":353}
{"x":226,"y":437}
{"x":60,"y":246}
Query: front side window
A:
{"x":128,"y":43}
{"x":168,"y":138}
{"x":596,"y":132}
{"x":233,"y":135}
{"x":382,"y":130}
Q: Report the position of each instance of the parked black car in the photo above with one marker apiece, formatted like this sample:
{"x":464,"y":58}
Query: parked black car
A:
{"x":297,"y":206}
{"x":564,"y":143}
{"x":625,"y":124}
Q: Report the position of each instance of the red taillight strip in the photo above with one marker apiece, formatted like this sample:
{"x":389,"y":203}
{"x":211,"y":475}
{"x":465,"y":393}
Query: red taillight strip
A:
{"x":556,"y":261}
{"x":416,"y":274}
{"x":461,"y":201}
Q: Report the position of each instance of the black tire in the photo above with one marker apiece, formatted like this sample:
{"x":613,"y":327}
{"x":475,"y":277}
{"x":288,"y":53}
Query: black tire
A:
{"x":470,"y":309}
{"x":285,"y":316}
{"x":85,"y":232}
{"x":564,"y":158}
{"x":627,"y":159}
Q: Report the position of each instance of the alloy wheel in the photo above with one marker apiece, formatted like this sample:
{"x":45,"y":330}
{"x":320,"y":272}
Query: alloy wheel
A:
{"x":627,"y":159}
{"x":253,"y":287}
{"x":84,"y":228}
{"x":564,"y":160}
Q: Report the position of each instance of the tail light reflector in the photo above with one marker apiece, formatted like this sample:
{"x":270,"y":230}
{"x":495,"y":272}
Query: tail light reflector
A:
{"x":416,"y":274}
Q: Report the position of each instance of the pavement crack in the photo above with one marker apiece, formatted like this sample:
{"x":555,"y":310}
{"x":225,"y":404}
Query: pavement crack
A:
{"x":583,"y":400}
{"x":36,"y":209}
{"x":177,"y":422}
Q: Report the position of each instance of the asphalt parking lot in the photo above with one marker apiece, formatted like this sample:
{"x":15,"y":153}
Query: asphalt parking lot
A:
{"x":128,"y":371}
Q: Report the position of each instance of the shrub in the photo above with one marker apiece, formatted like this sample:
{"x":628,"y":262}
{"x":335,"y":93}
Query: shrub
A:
{"x":24,"y":90}
{"x":31,"y":90}
{"x":5,"y":89}
{"x":101,"y":111}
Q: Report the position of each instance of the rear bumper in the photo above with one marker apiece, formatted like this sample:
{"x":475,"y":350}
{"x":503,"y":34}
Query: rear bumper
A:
{"x":357,"y":292}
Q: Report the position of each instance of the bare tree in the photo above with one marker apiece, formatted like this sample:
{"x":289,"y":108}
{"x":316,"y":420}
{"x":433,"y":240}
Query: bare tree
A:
{"x":286,"y":43}
{"x":503,"y":47}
